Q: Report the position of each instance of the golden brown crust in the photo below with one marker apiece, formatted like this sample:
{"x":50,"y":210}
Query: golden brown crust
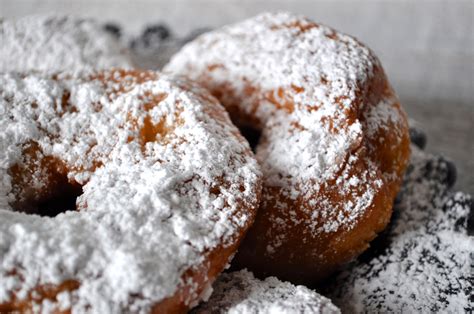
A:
{"x":302,"y":84}
{"x":196,"y":279}
{"x":216,"y":261}
{"x":305,"y":259}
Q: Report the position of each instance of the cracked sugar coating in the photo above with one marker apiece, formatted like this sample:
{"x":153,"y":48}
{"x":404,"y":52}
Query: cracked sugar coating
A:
{"x":427,"y":263}
{"x":334,"y":140}
{"x":241,"y":293}
{"x":58,"y":43}
{"x":169,"y":186}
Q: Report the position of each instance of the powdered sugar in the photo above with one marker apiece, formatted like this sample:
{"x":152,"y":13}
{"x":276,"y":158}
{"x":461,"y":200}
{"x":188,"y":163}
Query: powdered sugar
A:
{"x":241,"y":293}
{"x":52,"y":44}
{"x":304,"y":85}
{"x":149,"y":208}
{"x":426,"y":266}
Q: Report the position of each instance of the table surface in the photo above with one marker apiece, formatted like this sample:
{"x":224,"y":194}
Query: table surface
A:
{"x":426,"y":47}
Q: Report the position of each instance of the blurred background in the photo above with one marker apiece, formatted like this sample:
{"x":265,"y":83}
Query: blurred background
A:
{"x":426,"y":47}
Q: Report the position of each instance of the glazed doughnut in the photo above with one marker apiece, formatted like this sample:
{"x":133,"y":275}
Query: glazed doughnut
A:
{"x":58,"y":43}
{"x":240,"y":292}
{"x":334,"y":139}
{"x":122,"y":192}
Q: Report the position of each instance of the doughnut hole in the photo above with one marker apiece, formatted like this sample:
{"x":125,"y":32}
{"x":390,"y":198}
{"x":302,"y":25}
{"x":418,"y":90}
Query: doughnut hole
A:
{"x":40,"y":185}
{"x":252,"y":135}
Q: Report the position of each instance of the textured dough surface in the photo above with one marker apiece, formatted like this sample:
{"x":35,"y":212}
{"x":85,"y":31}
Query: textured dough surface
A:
{"x":334,"y":139}
{"x":168,"y":187}
{"x":428,"y":241}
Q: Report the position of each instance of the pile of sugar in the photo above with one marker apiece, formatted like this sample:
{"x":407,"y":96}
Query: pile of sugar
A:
{"x":53,"y":44}
{"x":321,"y":75}
{"x":241,"y":293}
{"x":427,"y":265}
{"x":146,"y":215}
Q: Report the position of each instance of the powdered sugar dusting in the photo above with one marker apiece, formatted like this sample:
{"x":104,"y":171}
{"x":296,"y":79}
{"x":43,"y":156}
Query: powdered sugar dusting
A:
{"x":303,"y":84}
{"x":53,"y":44}
{"x":241,"y":293}
{"x":151,"y":204}
{"x":427,"y":264}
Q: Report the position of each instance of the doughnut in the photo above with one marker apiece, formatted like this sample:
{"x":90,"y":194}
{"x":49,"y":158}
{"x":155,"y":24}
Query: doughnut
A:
{"x":240,"y":292}
{"x":123,"y":191}
{"x":57,"y":44}
{"x":329,"y":133}
{"x":428,"y":245}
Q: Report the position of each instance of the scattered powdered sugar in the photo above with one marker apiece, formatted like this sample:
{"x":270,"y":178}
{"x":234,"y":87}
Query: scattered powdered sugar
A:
{"x":426,"y":263}
{"x":241,"y":293}
{"x":301,"y":83}
{"x":53,"y":44}
{"x":151,"y":204}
